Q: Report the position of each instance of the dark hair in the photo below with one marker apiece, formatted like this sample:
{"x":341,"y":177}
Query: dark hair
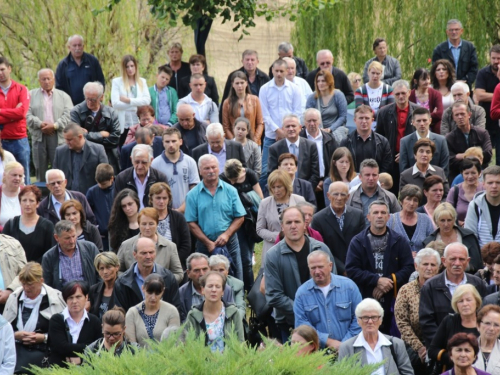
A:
{"x":144,"y":110}
{"x":377,"y":42}
{"x":118,"y":222}
{"x":462,"y":338}
{"x":73,"y":128}
{"x":287,"y":155}
{"x":104,"y":172}
{"x":165,"y":69}
{"x":156,"y":130}
{"x":198,"y":59}
{"x":421,"y":111}
{"x":468,"y":163}
{"x":424,"y":142}
{"x":234,"y":107}
{"x":72,"y":287}
{"x":431,"y":181}
{"x":142,"y":133}
{"x":451,"y":73}
{"x":490,"y":252}
{"x":154,"y":283}
{"x":247,"y":123}
{"x":420,"y":73}
{"x":31,"y":189}
{"x":338,"y":154}
{"x":410,"y":191}
{"x":158,"y":188}
{"x":329,"y":79}
{"x":3,"y":60}
{"x":172,"y":131}
{"x":77,"y":205}
{"x":495,"y":48}
{"x":114,"y":316}
{"x":203,"y":280}
{"x":485,"y":311}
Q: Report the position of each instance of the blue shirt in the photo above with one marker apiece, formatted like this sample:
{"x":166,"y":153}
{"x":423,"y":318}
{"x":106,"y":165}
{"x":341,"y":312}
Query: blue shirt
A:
{"x":139,"y":279}
{"x":213,"y":213}
{"x":164,"y":110}
{"x":455,"y":51}
{"x":332,"y":317}
{"x":78,"y":75}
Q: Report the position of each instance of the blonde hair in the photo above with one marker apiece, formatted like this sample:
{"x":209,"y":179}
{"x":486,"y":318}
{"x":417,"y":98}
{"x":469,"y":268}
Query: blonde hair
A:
{"x":386,"y":180}
{"x":444,"y":208}
{"x":32,"y":272}
{"x":10,"y":166}
{"x":476,"y":152}
{"x":461,"y":291}
{"x":280,"y":176}
{"x":376,"y":65}
{"x":126,"y":59}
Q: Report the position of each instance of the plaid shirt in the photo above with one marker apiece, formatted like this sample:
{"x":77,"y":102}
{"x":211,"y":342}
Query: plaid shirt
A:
{"x":70,"y":268}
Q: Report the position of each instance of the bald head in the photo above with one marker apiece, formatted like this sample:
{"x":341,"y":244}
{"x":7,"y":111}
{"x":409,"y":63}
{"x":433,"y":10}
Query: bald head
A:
{"x":291,"y":69}
{"x":338,"y":194}
{"x":185,"y":115}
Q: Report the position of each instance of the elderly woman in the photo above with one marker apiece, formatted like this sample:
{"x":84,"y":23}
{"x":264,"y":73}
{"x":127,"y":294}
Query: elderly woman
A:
{"x":270,"y":209}
{"x":35,"y":233}
{"x":198,"y":65}
{"x":463,"y":349}
{"x":220,"y":263}
{"x":148,"y":319}
{"x":489,"y":252}
{"x":425,"y":96}
{"x":488,"y":358}
{"x":442,"y":78}
{"x":123,"y":222}
{"x":73,"y":211}
{"x":166,"y":251}
{"x":113,"y":331}
{"x":29,"y":309}
{"x":172,"y":225}
{"x":373,"y":346}
{"x":433,"y":189}
{"x":146,"y":116}
{"x":101,"y":296}
{"x":423,"y":150}
{"x":213,"y":318}
{"x":13,"y":179}
{"x":307,"y":337}
{"x":242,"y":104}
{"x":5,"y":157}
{"x":406,"y":310}
{"x":341,"y":169}
{"x":243,"y":134}
{"x":462,"y":194}
{"x":71,"y":331}
{"x":331,"y":103}
{"x":445,"y":218}
{"x":466,"y":302}
{"x":412,"y":225}
{"x":374,"y":93}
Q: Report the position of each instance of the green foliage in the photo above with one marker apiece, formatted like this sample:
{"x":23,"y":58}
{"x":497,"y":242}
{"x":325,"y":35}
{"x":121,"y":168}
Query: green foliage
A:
{"x":412,"y":29}
{"x":193,"y":357}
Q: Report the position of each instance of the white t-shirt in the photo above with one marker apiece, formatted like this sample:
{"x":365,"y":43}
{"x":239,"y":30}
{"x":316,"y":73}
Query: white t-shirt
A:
{"x":325,"y":289}
{"x":375,"y":96}
{"x":9,"y":209}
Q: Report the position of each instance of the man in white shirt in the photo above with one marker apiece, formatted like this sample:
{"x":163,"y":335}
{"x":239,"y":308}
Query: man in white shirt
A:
{"x":205,"y":109}
{"x":291,"y":75}
{"x":278,"y":97}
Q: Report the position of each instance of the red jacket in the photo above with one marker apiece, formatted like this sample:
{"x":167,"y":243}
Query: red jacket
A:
{"x":495,"y":104}
{"x":13,"y":118}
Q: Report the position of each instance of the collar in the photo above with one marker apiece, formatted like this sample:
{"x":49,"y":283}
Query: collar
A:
{"x":219,"y":185}
{"x":417,"y":171}
{"x":296,"y":143}
{"x":450,"y":46}
{"x":23,"y":297}
{"x":61,"y":252}
{"x":217,"y":153}
{"x":48,"y":93}
{"x":66,"y":315}
{"x":136,"y":177}
{"x":359,"y":136}
{"x":55,"y":201}
{"x":190,"y":99}
{"x":194,"y":291}
{"x":136,"y":269}
{"x":287,"y":83}
{"x":428,"y":136}
{"x":156,"y":88}
{"x":334,"y":214}
{"x":319,"y":136}
{"x":406,"y":109}
{"x":167,"y":160}
{"x":84,"y":57}
{"x":448,"y":282}
{"x":333,"y":283}
{"x":382,"y":341}
{"x":363,"y":192}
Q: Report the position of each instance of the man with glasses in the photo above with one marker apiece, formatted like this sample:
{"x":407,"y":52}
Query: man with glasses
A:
{"x":461,"y":53}
{"x":380,"y":261}
{"x":338,"y":223}
{"x":78,"y":159}
{"x":49,"y":207}
{"x":324,"y":59}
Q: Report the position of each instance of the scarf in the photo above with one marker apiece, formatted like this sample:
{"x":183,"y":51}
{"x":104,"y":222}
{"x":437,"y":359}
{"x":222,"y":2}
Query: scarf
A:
{"x":30,"y":325}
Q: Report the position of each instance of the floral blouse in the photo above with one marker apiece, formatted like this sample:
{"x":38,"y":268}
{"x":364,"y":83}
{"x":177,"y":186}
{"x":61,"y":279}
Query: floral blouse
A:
{"x":215,"y":332}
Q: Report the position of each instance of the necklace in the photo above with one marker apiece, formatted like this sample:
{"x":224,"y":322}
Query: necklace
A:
{"x":486,"y":358}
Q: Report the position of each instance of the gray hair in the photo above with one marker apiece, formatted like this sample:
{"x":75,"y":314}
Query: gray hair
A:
{"x":322,"y":51}
{"x":195,"y":256}
{"x":215,"y":260}
{"x":368,"y":163}
{"x":142,"y":149}
{"x":427,"y":252}
{"x":61,"y":173}
{"x":76,"y":36}
{"x":314,"y":253}
{"x":378,"y":202}
{"x":206,"y":157}
{"x":453,"y":244}
{"x":63,"y":226}
{"x":215,"y":129}
{"x":43,"y":70}
{"x":285,"y":47}
{"x":368,"y":304}
{"x":305,"y":204}
{"x":315,"y":111}
{"x":454,"y":21}
{"x":399,"y":83}
{"x":460,"y":85}
{"x":96,"y":87}
{"x":290,"y":115}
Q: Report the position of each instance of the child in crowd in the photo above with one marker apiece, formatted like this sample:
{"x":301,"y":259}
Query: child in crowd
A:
{"x":385,"y":180}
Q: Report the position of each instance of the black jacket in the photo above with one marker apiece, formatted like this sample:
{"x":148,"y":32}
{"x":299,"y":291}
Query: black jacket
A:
{"x":96,"y":293}
{"x":91,"y":234}
{"x":51,"y":270}
{"x":125,"y":180}
{"x":184,"y":71}
{"x":180,"y":235}
{"x":467,"y":62}
{"x":382,"y":151}
{"x":127,"y":293}
{"x":304,"y":189}
{"x":341,"y":82}
{"x":300,"y":68}
{"x":234,"y":150}
{"x":46,"y":208}
{"x":200,"y":130}
{"x":435,"y":303}
{"x":261,"y":78}
{"x":210,"y":89}
{"x":329,"y":147}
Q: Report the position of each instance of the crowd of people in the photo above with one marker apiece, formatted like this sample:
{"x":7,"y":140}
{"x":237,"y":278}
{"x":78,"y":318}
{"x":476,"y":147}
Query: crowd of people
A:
{"x":381,"y":240}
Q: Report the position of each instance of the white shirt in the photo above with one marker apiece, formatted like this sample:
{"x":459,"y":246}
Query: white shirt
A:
{"x":276,"y":102}
{"x":319,"y":144}
{"x":57,"y":204}
{"x":141,"y":188}
{"x":207,"y":111}
{"x":427,"y":136}
{"x":10,"y":208}
{"x":74,"y":327}
{"x":305,"y":89}
{"x":376,"y":355}
{"x":374,"y":96}
{"x":417,"y":171}
{"x":452,"y":286}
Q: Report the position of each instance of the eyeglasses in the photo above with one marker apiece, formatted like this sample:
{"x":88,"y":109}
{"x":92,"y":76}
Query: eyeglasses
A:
{"x":357,"y":80}
{"x":92,"y":100}
{"x":114,"y":335}
{"x":336,"y":195}
{"x":490,"y":324}
{"x":54,"y":183}
{"x":366,"y":319}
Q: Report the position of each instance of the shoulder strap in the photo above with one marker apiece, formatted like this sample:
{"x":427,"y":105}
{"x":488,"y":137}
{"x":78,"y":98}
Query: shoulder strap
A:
{"x":66,"y":326}
{"x":455,"y":195}
{"x":393,"y":352}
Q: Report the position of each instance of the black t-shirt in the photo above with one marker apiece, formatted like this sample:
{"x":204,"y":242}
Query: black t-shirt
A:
{"x":487,"y":81}
{"x":191,"y":140}
{"x":410,"y":230}
{"x":246,"y":186}
{"x":301,"y":257}
{"x":364,"y":149}
{"x":494,"y":216}
{"x":379,"y":245}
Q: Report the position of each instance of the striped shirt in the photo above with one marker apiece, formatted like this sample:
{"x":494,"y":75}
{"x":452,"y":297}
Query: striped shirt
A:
{"x":70,"y":268}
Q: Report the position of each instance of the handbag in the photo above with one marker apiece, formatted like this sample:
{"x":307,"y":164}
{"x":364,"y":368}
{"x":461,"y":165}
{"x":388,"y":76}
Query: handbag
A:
{"x":222,"y":250}
{"x":27,"y":355}
{"x":257,"y":300}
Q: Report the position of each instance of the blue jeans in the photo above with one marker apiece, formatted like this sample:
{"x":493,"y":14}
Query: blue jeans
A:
{"x":233,"y":247}
{"x":246,"y":249}
{"x":20,"y":148}
{"x":268,"y":142}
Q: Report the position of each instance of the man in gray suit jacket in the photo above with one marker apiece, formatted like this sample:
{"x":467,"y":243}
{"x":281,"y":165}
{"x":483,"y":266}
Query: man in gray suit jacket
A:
{"x":422,"y":121}
{"x":305,"y":150}
{"x":220,"y":147}
{"x":78,"y":159}
{"x":48,"y":114}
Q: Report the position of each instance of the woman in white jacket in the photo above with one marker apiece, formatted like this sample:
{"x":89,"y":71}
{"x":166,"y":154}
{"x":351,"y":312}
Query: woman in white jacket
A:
{"x":127,"y":93}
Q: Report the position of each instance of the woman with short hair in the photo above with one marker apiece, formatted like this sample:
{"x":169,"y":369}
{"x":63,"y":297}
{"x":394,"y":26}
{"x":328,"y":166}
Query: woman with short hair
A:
{"x":73,"y":211}
{"x":101,"y":295}
{"x":488,"y":357}
{"x":12,"y":182}
{"x":463,"y":349}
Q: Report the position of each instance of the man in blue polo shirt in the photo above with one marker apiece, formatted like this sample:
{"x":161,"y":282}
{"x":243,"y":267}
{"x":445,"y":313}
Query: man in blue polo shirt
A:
{"x":214,"y":212}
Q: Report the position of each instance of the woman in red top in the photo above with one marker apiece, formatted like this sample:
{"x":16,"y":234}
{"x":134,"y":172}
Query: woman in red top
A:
{"x":425,"y":96}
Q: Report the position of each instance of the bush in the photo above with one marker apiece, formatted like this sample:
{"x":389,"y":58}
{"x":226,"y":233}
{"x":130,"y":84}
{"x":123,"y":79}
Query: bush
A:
{"x":193,"y":357}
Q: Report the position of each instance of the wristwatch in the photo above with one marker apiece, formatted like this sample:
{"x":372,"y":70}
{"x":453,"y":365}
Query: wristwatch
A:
{"x":45,"y":338}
